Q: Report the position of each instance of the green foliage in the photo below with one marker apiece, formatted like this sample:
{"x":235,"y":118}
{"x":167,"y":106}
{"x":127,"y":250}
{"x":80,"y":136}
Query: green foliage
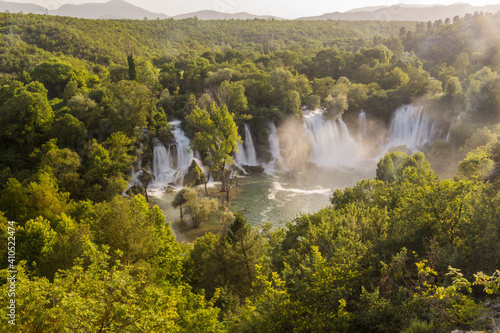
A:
{"x":140,"y":235}
{"x":395,"y":79}
{"x":235,"y":99}
{"x":38,"y":240}
{"x":14,"y":201}
{"x":246,"y":251}
{"x":127,"y":105}
{"x":69,"y":131}
{"x":132,"y":70}
{"x":482,"y":95}
{"x":478,"y":164}
{"x":64,"y":164}
{"x":216,"y":136}
{"x":397,"y":166}
{"x":198,"y":209}
{"x":327,"y":63}
{"x":335,"y":106}
{"x":55,"y":76}
{"x":102,"y":177}
{"x":452,"y":87}
{"x":101,"y":296}
{"x":179,"y":199}
{"x":26,"y":115}
{"x":44,"y":197}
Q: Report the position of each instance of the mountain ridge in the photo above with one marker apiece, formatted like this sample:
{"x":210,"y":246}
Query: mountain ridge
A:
{"x":406,"y":13}
{"x":215,"y":15}
{"x":120,"y":9}
{"x":114,"y":8}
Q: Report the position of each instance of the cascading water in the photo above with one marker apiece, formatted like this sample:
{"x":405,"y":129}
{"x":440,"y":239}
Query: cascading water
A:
{"x":184,"y":155}
{"x":136,"y":173}
{"x":163,"y":168}
{"x":449,"y":128}
{"x":410,"y":127}
{"x":362,"y":125}
{"x":274,"y":147}
{"x":170,"y":164}
{"x":330,"y":143}
{"x":246,"y":154}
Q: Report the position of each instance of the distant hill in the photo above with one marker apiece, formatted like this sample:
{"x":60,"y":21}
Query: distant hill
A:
{"x":120,"y":9}
{"x":214,"y":15}
{"x":26,"y":8}
{"x":114,"y":9}
{"x":405,"y":13}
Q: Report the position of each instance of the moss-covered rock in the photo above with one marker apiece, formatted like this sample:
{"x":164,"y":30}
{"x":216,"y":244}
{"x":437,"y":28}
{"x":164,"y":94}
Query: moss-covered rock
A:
{"x":194,"y":176}
{"x":254,"y":168}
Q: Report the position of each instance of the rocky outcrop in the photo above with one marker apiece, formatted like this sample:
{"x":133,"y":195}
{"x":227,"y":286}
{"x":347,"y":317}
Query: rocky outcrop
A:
{"x":253,"y":168}
{"x":194,"y":176}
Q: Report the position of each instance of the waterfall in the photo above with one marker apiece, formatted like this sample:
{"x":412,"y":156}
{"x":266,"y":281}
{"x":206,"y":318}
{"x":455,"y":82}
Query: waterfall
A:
{"x":410,"y":127}
{"x":457,"y":118}
{"x":163,"y":168}
{"x":330,"y":143}
{"x":274,"y":147}
{"x":362,"y":125}
{"x":135,"y":172}
{"x":170,"y":164}
{"x":246,"y":152}
{"x":184,"y":155}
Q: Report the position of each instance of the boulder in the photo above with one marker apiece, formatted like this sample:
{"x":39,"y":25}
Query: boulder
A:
{"x":194,"y":176}
{"x":253,"y":168}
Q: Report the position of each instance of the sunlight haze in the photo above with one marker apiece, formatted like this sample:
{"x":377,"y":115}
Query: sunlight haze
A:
{"x":279,"y":8}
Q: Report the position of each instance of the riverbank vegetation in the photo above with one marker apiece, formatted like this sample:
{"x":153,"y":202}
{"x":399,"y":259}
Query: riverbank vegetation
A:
{"x":84,"y":102}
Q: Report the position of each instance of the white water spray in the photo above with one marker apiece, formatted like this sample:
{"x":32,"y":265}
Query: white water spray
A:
{"x":330,"y":142}
{"x":246,"y":154}
{"x":171,"y":164}
{"x":362,"y":126}
{"x":275,"y":150}
{"x":410,"y":127}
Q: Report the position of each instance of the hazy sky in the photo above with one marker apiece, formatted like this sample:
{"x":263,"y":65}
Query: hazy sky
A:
{"x":280,"y":8}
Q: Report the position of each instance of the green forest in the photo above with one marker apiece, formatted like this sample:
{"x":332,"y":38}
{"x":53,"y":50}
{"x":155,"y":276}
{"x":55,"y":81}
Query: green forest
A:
{"x":83,"y":103}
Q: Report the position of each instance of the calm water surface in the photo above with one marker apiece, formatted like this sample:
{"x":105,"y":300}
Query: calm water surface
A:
{"x":280,"y":198}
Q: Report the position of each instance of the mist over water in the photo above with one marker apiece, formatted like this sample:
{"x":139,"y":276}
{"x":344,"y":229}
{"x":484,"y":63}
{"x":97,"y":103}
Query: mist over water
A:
{"x":281,"y":198}
{"x":331,"y":144}
{"x":310,"y":158}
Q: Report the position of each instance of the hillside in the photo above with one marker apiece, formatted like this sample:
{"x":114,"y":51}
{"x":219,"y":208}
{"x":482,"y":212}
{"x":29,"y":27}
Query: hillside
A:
{"x":214,"y":15}
{"x":116,"y":9}
{"x":14,"y":7}
{"x":406,"y":13}
{"x":113,"y":9}
{"x":120,"y":9}
{"x":103,"y":41}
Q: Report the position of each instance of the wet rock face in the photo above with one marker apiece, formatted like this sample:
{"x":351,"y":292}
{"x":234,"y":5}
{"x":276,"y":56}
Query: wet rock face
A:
{"x":253,"y":168}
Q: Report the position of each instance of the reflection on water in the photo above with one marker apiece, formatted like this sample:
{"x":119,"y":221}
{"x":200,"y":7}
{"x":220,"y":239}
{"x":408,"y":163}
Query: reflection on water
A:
{"x":279,"y":199}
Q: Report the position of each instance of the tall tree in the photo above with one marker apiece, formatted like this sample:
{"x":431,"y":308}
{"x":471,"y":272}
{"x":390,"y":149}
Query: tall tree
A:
{"x":217,"y":137}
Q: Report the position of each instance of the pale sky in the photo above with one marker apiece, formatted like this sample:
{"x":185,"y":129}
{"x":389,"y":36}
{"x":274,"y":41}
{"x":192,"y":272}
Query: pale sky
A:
{"x":281,"y":8}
